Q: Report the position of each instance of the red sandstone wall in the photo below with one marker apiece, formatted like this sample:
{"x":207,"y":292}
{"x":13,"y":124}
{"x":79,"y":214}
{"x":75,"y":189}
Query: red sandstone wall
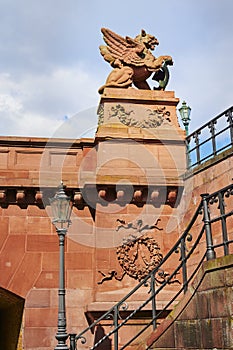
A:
{"x":29,"y":245}
{"x":28,"y":242}
{"x":29,"y":268}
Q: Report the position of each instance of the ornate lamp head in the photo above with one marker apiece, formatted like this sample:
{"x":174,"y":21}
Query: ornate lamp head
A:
{"x":185,"y":115}
{"x":61,"y":206}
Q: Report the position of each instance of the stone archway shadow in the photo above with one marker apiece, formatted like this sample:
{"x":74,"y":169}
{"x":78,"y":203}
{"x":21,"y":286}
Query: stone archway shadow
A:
{"x":11,"y":313}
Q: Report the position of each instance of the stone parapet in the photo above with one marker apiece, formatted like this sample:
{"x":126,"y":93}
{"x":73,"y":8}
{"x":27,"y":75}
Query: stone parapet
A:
{"x":41,"y":162}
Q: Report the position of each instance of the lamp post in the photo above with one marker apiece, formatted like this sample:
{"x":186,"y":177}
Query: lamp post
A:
{"x":61,"y":206}
{"x":185,"y":116}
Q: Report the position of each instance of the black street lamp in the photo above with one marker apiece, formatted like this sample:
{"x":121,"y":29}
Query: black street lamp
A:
{"x":185,"y":112}
{"x":61,"y":206}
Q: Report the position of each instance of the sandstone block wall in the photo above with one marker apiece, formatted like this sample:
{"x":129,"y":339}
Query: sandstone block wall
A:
{"x":203,"y":318}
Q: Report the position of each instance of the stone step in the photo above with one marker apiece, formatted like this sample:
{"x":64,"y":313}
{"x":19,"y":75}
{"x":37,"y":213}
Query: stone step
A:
{"x":105,"y":300}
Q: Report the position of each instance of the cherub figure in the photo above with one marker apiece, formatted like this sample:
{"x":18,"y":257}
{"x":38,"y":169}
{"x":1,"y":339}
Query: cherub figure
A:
{"x":137,"y":225}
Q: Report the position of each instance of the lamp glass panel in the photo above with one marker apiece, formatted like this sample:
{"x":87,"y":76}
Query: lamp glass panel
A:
{"x":54,"y":207}
{"x":64,"y":210}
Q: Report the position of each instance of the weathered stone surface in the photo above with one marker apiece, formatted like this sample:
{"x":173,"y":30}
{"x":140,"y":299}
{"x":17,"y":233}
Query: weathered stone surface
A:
{"x":212,"y":333}
{"x":203,"y":321}
{"x":187,"y":334}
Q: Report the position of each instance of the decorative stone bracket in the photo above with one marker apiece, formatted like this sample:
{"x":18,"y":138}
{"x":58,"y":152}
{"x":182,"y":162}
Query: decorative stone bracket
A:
{"x":138,"y":195}
{"x":93,"y":194}
{"x":21,"y":196}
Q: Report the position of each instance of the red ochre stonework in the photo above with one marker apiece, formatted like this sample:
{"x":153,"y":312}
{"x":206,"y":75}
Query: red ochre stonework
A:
{"x":126,"y":176}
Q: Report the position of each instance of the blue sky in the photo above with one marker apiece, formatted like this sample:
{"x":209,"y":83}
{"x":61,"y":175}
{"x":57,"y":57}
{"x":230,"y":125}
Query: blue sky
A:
{"x":51,"y":68}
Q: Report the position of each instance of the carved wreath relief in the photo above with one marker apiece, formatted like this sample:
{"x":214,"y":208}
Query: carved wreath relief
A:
{"x":138,"y":255}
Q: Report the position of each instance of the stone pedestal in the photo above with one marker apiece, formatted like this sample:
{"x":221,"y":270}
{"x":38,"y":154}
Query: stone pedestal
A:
{"x":143,"y":114}
{"x":139,"y":138}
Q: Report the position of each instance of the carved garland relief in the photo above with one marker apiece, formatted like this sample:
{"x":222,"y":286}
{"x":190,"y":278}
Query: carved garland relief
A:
{"x":139,"y":253}
{"x":153,"y":118}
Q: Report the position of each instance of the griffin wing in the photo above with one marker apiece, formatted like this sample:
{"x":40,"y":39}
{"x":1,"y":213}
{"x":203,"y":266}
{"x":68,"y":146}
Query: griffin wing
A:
{"x":127,"y":51}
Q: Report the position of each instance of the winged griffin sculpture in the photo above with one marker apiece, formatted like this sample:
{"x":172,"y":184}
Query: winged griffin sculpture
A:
{"x":132,"y":61}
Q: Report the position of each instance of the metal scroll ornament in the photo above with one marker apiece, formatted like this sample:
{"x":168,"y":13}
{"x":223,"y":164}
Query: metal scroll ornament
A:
{"x":153,"y":119}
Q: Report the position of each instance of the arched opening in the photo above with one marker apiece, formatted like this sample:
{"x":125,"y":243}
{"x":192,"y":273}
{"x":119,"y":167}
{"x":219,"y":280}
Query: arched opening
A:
{"x":11,"y":312}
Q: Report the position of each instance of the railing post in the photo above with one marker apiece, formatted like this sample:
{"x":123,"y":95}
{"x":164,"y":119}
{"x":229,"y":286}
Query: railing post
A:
{"x":230,"y":121}
{"x":212,"y":131}
{"x":210,"y":253}
{"x":153,"y":301}
{"x":183,"y":259}
{"x":188,"y":158}
{"x":223,"y":223}
{"x":115,"y":320}
{"x":196,"y":140}
{"x":72,"y":341}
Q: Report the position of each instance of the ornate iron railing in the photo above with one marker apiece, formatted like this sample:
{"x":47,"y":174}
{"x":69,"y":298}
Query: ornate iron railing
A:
{"x":211,"y":139}
{"x":177,"y":269}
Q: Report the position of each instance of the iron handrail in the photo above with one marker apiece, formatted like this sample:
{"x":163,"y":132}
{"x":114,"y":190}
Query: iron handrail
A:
{"x":194,"y":153}
{"x":217,"y":198}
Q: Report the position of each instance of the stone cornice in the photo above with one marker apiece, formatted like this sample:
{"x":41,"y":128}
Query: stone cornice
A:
{"x":38,"y":142}
{"x":145,"y":96}
{"x":91,"y":195}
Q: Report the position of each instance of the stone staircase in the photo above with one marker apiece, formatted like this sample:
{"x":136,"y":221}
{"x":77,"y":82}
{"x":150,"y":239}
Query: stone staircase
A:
{"x":203,"y":319}
{"x":189,"y":307}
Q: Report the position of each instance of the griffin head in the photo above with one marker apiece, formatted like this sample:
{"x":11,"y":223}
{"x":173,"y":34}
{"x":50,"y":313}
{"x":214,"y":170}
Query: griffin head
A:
{"x":148,"y":40}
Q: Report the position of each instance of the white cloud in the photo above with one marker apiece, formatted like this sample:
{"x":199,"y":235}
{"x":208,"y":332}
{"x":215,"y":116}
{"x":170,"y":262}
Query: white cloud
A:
{"x":50,"y":65}
{"x":37,"y":104}
{"x":9,"y":104}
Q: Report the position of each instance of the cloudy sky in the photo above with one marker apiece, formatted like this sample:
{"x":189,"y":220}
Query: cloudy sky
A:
{"x":51,"y":69}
